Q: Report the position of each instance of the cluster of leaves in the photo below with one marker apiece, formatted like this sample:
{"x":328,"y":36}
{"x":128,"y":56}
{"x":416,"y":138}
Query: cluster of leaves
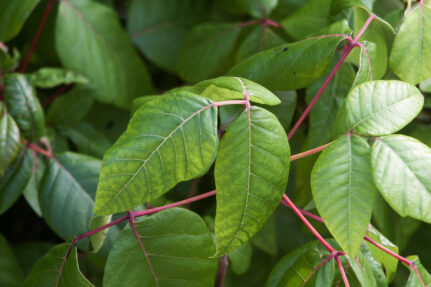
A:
{"x":177,"y":97}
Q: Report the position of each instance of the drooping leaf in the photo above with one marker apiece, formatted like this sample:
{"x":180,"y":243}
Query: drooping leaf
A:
{"x":52,"y":77}
{"x":9,"y":139}
{"x":46,"y":270}
{"x":177,"y":247}
{"x":343,"y":190}
{"x":71,"y":107}
{"x":256,"y":153}
{"x":413,"y":278}
{"x":291,"y":66}
{"x":15,"y":179}
{"x":240,"y":259}
{"x":90,"y":40}
{"x":97,"y":239}
{"x":367,"y":61}
{"x":24,"y":106}
{"x":411,"y":55}
{"x":232,"y":88}
{"x":12,"y":17}
{"x":31,"y":191}
{"x":150,"y":157}
{"x":207,"y":51}
{"x":401,"y":173}
{"x":158,"y":27}
{"x":11,"y":274}
{"x":379,"y":108}
{"x":296,"y":269}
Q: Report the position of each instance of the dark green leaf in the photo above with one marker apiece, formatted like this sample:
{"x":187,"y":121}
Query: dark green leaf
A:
{"x":362,"y":270}
{"x":250,"y":175}
{"x":9,"y":140}
{"x":240,"y":259}
{"x":12,"y":17}
{"x":11,"y":274}
{"x":31,"y":191}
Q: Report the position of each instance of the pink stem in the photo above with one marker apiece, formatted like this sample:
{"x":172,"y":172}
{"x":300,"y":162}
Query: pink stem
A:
{"x":37,"y":149}
{"x":250,"y":23}
{"x":37,"y":35}
{"x":364,"y":27}
{"x":309,"y":152}
{"x":343,"y":273}
{"x":225,"y":103}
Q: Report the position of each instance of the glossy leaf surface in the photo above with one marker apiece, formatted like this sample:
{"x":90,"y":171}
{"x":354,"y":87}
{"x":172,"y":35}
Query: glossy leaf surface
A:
{"x":256,"y":153}
{"x":9,"y":140}
{"x":149,"y":158}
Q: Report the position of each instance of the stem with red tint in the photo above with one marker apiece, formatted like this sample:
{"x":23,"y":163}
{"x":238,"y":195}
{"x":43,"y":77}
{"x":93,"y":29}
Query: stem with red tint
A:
{"x":56,"y":94}
{"x":309,"y":152}
{"x":37,"y":149}
{"x":343,"y":273}
{"x":37,"y":35}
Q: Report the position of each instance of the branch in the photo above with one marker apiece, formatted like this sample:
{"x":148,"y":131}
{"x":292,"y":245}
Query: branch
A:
{"x":309,"y":152}
{"x":222,"y":270}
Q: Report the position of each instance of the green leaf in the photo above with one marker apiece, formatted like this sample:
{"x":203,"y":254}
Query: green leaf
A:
{"x":284,"y":111}
{"x":90,"y":40}
{"x":88,"y":140}
{"x":31,"y":191}
{"x":207,"y":51}
{"x":375,"y":266}
{"x":367,"y":61}
{"x":362,"y":270}
{"x":150,"y":157}
{"x":231,"y":88}
{"x":46,"y":270}
{"x":9,"y":61}
{"x":259,"y":39}
{"x":266,"y":238}
{"x":296,"y":269}
{"x":250,"y":175}
{"x":401,"y":173}
{"x":379,"y":108}
{"x":315,"y":13}
{"x":388,"y":261}
{"x":255,"y":8}
{"x":411,"y":54}
{"x":24,"y":106}
{"x":51,"y":77}
{"x":177,"y":246}
{"x":413,"y":278}
{"x":71,"y":107}
{"x":97,"y":240}
{"x":240,"y":259}
{"x":67,"y":189}
{"x":28,"y":252}
{"x":12,"y":17}
{"x":158,"y":28}
{"x":286,"y":67}
{"x":10,"y":272}
{"x":15,"y":179}
{"x":425,"y":85}
{"x":9,"y":140}
{"x":343,"y":190}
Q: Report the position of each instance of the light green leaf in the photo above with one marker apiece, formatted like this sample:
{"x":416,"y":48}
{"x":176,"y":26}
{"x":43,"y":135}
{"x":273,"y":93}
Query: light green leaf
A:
{"x":150,"y":157}
{"x":259,"y":39}
{"x":413,"y":278}
{"x":72,"y":107}
{"x":158,"y":28}
{"x":231,"y":88}
{"x":90,"y":40}
{"x":343,"y":190}
{"x":24,"y":106}
{"x":177,"y":246}
{"x":46,"y":270}
{"x":379,"y":108}
{"x":362,"y":270}
{"x":52,"y":77}
{"x":240,"y":259}
{"x":425,"y":85}
{"x":9,"y":140}
{"x":367,"y":61}
{"x":97,"y":240}
{"x":88,"y":140}
{"x":31,"y":191}
{"x":401,"y":173}
{"x":285,"y":67}
{"x":256,"y":153}
{"x":375,"y":266}
{"x":12,"y":17}
{"x":11,"y":274}
{"x":296,"y":267}
{"x":411,"y":55}
{"x":207,"y":51}
{"x":15,"y":179}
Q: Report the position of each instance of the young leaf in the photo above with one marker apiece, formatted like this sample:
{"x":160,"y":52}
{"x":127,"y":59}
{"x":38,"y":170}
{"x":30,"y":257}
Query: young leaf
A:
{"x":10,"y":271}
{"x":46,"y":270}
{"x":285,"y":67}
{"x":343,"y":190}
{"x":251,"y":175}
{"x":176,"y":249}
{"x":15,"y":179}
{"x":158,"y":28}
{"x":24,"y":106}
{"x":411,"y":54}
{"x":379,"y":108}
{"x":367,"y":60}
{"x":12,"y":17}
{"x":207,"y":51}
{"x":51,"y":77}
{"x":413,"y":278}
{"x":9,"y":140}
{"x":230,"y":88}
{"x":31,"y":191}
{"x":90,"y":40}
{"x":169,"y":140}
{"x":401,"y":173}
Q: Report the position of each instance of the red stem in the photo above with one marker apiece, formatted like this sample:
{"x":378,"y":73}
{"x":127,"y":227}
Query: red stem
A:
{"x":56,"y":94}
{"x":331,"y":75}
{"x":37,"y":149}
{"x":309,"y":152}
{"x":37,"y":35}
{"x":343,"y":273}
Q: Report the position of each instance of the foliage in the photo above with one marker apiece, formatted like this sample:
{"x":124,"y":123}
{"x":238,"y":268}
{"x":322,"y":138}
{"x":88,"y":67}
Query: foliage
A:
{"x":154,"y":143}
